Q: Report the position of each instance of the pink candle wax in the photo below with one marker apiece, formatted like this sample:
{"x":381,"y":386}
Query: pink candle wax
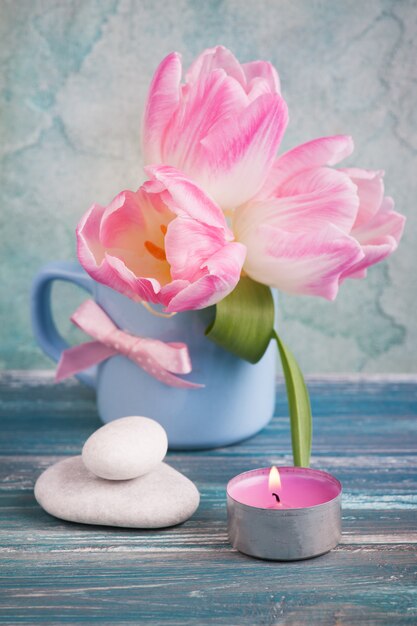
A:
{"x":300,"y":488}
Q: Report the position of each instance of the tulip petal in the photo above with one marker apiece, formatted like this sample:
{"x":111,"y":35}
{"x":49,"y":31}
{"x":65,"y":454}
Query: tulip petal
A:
{"x":92,"y":254}
{"x":189,"y":244}
{"x":89,"y":248}
{"x":132,"y":217}
{"x":310,"y":201}
{"x":318,"y":197}
{"x":212,"y":59}
{"x":227,"y":264}
{"x":137,"y":288}
{"x":385,"y":222}
{"x":379,"y":238}
{"x":197,"y":295}
{"x":316,"y":153}
{"x":131,"y":231}
{"x":122,"y":219}
{"x":261,"y":70}
{"x":370,"y":186}
{"x":236,"y":155}
{"x":374,"y":253}
{"x":162,"y":102}
{"x":309,"y":263}
{"x":221,"y":277}
{"x":213,"y":98}
{"x":186,"y":199}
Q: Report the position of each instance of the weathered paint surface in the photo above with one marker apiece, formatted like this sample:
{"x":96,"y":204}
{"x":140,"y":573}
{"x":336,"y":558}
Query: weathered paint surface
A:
{"x":73,"y":80}
{"x":53,"y":572}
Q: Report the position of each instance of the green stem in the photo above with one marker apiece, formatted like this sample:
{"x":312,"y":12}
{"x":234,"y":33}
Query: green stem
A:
{"x":299,"y":405}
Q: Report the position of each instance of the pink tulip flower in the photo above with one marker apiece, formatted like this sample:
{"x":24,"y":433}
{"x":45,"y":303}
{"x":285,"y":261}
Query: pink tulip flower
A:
{"x":222,"y":127}
{"x":312,"y":226}
{"x":166,"y":243}
{"x":309,"y":228}
{"x":306,"y":226}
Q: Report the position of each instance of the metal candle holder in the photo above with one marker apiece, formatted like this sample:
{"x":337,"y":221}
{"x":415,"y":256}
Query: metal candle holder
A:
{"x":285,"y":534}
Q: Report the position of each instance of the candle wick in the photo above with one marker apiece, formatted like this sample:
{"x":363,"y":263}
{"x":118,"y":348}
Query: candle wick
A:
{"x":277,"y":497}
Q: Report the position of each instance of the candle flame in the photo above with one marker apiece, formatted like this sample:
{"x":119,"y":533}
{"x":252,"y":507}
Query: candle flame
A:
{"x":274,"y":481}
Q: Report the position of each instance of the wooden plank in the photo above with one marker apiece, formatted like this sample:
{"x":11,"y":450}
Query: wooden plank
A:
{"x":205,"y":532}
{"x":377,"y":475}
{"x":56,"y":419}
{"x":374,"y":483}
{"x":211,"y":587}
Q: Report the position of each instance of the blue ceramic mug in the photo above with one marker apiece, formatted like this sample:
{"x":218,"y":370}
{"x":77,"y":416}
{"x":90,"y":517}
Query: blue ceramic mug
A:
{"x":237,"y":400}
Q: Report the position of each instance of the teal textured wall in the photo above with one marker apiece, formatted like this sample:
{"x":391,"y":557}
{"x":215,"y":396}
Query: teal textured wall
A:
{"x":73,"y":78}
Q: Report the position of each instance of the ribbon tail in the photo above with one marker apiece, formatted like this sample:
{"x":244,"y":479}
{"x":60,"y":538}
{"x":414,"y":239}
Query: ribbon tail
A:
{"x":174,"y":381}
{"x":78,"y":358}
{"x":161,"y":372}
{"x":171,"y":356}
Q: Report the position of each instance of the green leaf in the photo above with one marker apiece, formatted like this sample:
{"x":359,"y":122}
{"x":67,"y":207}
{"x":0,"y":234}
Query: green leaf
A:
{"x":244,"y":325}
{"x":244,"y":320}
{"x":298,"y":404}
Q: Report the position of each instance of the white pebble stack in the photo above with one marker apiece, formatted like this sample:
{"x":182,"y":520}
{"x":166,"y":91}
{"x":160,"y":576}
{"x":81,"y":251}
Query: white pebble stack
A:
{"x":120,"y":480}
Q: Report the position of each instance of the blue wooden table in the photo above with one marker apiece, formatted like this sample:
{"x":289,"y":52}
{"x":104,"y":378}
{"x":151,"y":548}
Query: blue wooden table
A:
{"x":54,"y":572}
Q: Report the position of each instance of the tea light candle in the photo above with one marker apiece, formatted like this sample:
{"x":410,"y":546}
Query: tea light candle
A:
{"x":284,"y":514}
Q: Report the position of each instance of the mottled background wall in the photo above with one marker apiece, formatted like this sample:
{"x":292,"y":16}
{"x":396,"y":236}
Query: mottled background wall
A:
{"x":73,"y":80}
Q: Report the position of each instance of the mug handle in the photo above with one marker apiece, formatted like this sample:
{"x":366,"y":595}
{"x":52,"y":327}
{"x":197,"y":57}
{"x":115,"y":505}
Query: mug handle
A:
{"x":43,"y":324}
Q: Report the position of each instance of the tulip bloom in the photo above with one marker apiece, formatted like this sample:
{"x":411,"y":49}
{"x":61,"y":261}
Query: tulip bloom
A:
{"x":222,"y":127}
{"x":297,"y":223}
{"x":312,"y":226}
{"x":309,"y":228}
{"x":166,"y":243}
{"x":305,"y":225}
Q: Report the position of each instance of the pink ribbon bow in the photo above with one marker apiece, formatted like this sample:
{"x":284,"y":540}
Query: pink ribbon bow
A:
{"x":160,"y":360}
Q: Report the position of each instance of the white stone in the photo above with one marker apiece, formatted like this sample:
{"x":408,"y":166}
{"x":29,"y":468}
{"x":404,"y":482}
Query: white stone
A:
{"x":125,"y":448}
{"x":69,"y":491}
